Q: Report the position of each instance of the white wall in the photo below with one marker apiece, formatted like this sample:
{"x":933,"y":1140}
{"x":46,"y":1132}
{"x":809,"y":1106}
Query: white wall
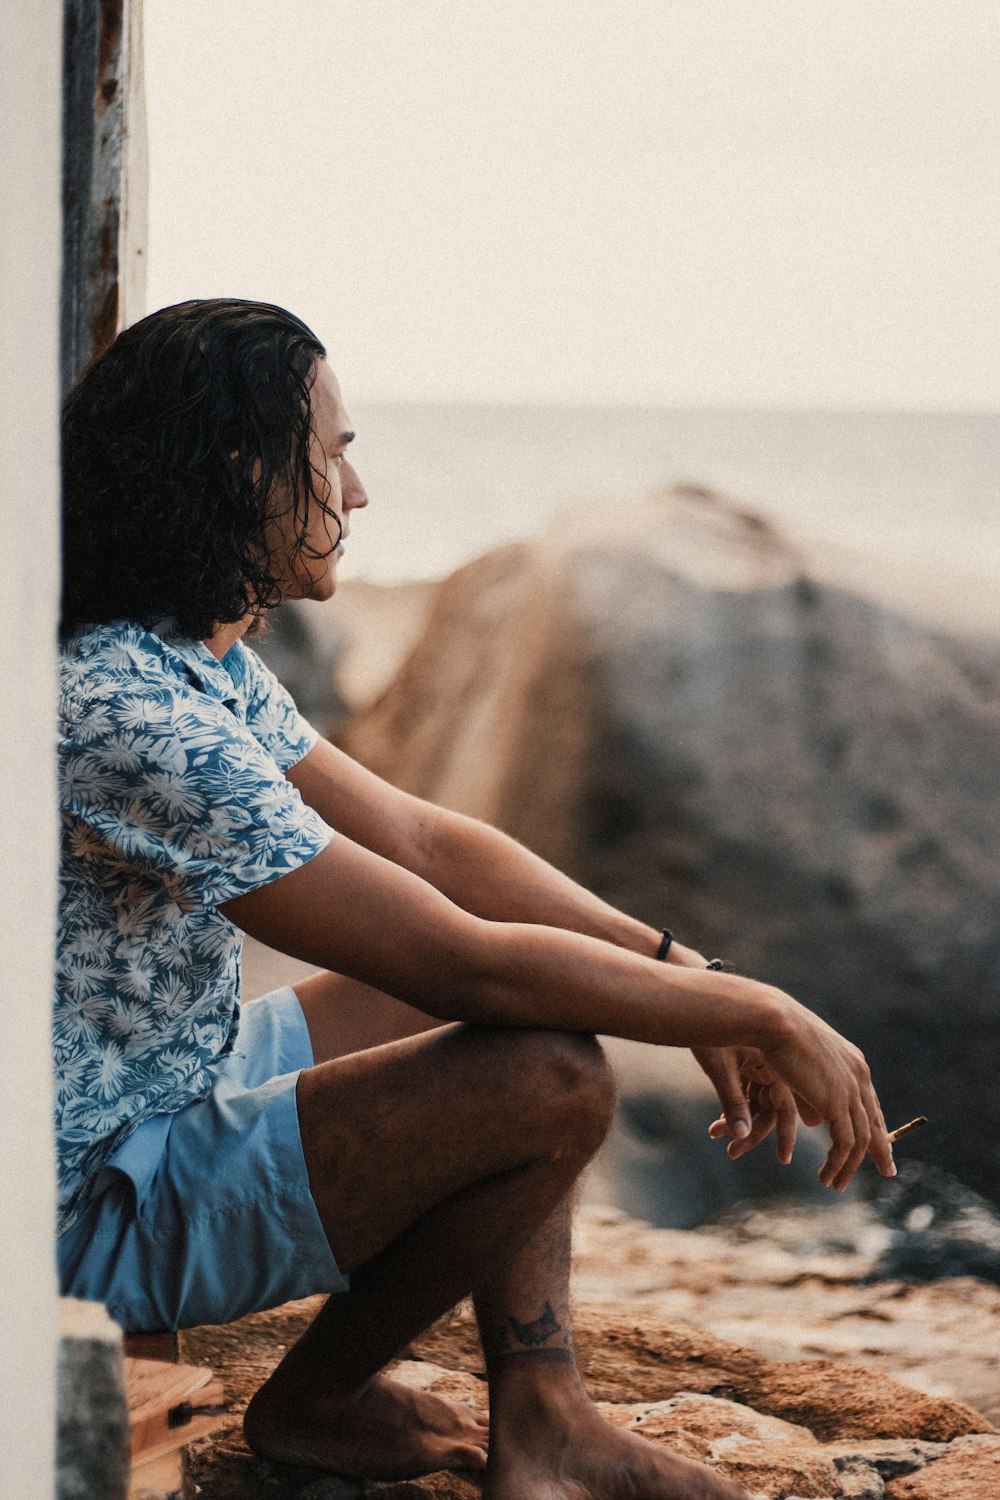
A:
{"x":30,"y":94}
{"x":133,"y":246}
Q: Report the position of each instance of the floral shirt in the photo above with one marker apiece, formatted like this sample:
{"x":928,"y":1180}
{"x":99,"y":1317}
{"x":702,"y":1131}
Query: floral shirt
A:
{"x":172,"y":800}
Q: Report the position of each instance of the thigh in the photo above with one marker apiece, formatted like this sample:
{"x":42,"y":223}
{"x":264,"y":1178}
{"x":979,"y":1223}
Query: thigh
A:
{"x":344,"y":1015}
{"x":393,"y":1130}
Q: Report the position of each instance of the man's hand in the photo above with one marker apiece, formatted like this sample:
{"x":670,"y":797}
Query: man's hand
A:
{"x":830,"y":1076}
{"x":809,"y":1072}
{"x":753,"y":1098}
{"x":754,"y":1101}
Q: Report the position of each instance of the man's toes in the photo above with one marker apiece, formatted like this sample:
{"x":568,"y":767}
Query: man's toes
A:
{"x":469,"y":1458}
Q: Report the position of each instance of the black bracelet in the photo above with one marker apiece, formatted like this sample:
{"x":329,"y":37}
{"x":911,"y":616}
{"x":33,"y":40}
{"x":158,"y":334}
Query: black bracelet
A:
{"x":665,"y":942}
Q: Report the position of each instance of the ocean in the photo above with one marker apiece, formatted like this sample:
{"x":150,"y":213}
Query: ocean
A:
{"x":448,"y":482}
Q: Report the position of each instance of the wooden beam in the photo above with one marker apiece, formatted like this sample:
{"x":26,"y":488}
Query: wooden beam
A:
{"x":103,"y":144}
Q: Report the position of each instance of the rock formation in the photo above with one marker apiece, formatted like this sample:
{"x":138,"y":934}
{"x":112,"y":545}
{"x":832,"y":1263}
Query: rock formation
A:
{"x":666,"y":700}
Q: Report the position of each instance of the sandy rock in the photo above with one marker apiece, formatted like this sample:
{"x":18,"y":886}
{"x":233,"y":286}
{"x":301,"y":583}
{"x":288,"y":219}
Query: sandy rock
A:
{"x":889,"y":1458}
{"x":795,"y":1281}
{"x":764,"y":1454}
{"x":835,"y":1400}
{"x":680,"y":712}
{"x":774,"y":1473}
{"x":970,"y":1472}
{"x":710,"y":1419}
{"x":832,"y":1399}
{"x":784,"y":1425}
{"x":860,"y":1483}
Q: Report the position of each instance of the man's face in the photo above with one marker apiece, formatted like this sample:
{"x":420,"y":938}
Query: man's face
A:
{"x":312,"y":572}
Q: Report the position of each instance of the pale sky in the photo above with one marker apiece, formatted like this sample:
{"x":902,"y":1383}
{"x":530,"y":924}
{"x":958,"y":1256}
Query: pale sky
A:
{"x":770,"y":202}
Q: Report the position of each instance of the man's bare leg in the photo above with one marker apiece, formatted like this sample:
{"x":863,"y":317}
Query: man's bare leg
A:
{"x":547,"y":1439}
{"x":327,"y":1403}
{"x":423,"y":1196}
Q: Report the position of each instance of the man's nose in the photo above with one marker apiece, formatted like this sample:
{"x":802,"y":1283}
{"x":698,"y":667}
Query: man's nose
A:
{"x":355,"y":496}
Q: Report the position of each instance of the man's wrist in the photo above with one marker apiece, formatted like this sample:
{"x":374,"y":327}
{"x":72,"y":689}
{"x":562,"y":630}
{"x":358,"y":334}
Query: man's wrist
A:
{"x":685,"y":958}
{"x":773,"y":1020}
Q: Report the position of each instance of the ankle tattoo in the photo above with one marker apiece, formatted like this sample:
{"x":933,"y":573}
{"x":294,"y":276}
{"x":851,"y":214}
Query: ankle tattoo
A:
{"x":556,"y":1356}
{"x":543,"y":1340}
{"x":531,"y":1335}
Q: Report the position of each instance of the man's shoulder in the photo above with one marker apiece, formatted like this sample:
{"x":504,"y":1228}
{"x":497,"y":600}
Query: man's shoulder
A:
{"x":115,"y":652}
{"x":119,"y":667}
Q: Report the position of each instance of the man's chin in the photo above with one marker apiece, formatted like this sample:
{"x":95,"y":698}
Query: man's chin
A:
{"x":316,"y":589}
{"x":325,"y":589}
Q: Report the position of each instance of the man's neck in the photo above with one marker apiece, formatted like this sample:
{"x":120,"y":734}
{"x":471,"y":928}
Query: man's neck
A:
{"x":225,"y":636}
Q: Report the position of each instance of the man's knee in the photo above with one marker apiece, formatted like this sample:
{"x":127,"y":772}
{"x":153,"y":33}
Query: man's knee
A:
{"x":562,"y":1080}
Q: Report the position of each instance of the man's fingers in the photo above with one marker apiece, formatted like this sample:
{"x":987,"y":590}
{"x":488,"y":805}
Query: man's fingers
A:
{"x":841,"y":1146}
{"x":722,"y":1068}
{"x":739,"y":1128}
{"x":862,"y":1136}
{"x":807,"y":1114}
{"x":788,"y":1122}
{"x":732,"y":1096}
{"x":830,"y":1080}
{"x":880,"y":1145}
{"x":764,"y":1119}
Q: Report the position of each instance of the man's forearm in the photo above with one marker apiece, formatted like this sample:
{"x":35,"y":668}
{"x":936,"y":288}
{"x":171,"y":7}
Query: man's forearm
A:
{"x":475,"y":866}
{"x":528,"y":975}
{"x":491,"y":875}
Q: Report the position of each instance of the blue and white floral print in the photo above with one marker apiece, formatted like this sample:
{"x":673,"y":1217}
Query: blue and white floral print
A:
{"x":172,"y":801}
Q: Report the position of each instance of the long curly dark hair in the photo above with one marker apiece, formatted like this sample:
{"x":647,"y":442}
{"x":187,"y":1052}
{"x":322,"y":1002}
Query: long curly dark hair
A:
{"x":180,"y":444}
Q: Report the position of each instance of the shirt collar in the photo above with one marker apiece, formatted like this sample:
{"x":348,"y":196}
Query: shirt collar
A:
{"x":219,"y":679}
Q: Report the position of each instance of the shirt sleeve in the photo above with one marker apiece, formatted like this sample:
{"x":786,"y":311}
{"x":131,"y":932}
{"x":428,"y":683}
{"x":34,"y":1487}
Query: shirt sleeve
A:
{"x":173,"y":788}
{"x":272,"y":715}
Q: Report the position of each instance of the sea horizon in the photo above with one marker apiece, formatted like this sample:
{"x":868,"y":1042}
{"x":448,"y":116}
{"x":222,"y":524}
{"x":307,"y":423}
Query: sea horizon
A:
{"x":450,"y":480}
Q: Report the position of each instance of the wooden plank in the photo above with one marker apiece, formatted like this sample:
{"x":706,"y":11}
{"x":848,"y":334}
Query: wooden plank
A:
{"x":162,"y":1475}
{"x":169,"y":1405}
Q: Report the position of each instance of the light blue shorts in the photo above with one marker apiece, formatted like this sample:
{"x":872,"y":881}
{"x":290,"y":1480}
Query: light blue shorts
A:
{"x":206,"y":1215}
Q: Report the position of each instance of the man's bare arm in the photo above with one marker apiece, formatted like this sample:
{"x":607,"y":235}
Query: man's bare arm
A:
{"x":361,"y":914}
{"x":475,"y":866}
{"x":490,"y":875}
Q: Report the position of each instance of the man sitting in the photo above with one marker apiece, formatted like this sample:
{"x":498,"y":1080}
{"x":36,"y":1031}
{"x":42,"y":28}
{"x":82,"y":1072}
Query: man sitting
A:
{"x":404,"y":1128}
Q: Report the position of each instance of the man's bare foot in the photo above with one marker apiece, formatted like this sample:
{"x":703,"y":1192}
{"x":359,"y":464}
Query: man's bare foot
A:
{"x":564,"y":1450}
{"x":384,"y":1431}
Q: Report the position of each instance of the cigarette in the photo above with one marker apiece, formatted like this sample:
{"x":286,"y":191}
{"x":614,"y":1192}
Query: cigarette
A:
{"x":896,"y":1135}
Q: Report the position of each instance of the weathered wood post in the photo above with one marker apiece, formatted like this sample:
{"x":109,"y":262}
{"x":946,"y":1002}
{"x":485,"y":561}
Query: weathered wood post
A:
{"x":103,"y":284}
{"x":104,"y":177}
